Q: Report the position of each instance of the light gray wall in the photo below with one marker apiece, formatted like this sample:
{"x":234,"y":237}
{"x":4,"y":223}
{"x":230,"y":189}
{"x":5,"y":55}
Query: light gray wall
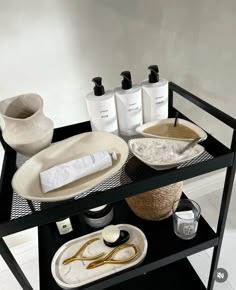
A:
{"x":55,"y":47}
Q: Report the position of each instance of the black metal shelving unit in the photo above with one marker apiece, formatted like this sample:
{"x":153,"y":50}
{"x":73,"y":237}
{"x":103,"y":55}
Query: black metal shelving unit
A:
{"x":167,"y":254}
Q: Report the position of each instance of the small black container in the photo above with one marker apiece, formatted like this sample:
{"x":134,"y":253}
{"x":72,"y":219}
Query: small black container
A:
{"x":99,"y":217}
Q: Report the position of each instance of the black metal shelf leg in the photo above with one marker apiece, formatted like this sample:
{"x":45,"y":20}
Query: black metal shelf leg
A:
{"x":170,"y":98}
{"x":13,"y":266}
{"x":229,"y":182}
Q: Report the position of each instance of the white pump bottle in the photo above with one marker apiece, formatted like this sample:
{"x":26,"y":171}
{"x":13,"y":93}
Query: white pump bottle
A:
{"x":155,"y":96}
{"x":102,"y":108}
{"x":129,"y":106}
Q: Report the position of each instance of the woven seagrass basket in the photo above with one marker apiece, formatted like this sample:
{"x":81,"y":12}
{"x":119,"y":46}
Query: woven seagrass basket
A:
{"x":155,"y":204}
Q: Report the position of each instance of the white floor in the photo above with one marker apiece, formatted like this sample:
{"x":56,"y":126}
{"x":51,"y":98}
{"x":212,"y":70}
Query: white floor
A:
{"x":201,"y":262}
{"x":24,"y":245}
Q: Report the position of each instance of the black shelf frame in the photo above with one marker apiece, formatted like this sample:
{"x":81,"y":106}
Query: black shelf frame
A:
{"x":222,"y":157}
{"x":230,"y":172}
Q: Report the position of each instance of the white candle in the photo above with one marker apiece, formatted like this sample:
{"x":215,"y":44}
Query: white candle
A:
{"x":186,"y":225}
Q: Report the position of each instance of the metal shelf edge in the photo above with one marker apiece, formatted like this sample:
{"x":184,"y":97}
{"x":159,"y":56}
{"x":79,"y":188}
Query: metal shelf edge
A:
{"x":74,"y":207}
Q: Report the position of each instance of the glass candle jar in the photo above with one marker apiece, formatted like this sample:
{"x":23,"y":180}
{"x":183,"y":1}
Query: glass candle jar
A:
{"x":99,"y":217}
{"x":186,"y":214}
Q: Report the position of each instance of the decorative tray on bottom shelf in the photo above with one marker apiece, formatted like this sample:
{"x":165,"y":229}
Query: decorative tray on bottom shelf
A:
{"x":76,"y":274}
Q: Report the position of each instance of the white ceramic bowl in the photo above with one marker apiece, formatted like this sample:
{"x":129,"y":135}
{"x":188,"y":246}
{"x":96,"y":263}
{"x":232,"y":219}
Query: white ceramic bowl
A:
{"x":71,"y":148}
{"x":188,"y":124}
{"x":157,"y":165}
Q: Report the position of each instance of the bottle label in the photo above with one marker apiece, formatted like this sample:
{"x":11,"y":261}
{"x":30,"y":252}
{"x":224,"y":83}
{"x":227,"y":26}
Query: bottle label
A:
{"x":130,"y":115}
{"x":103,"y":115}
{"x":155,"y":102}
{"x":187,"y":228}
{"x":64,"y":226}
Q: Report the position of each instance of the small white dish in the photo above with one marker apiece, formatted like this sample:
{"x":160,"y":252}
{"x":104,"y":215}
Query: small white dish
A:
{"x":26,"y":181}
{"x":201,"y":133}
{"x":164,"y":158}
{"x":75,"y":274}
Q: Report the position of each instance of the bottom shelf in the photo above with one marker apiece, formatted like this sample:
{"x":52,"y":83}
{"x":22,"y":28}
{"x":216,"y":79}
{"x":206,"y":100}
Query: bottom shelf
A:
{"x":164,"y":248}
{"x":178,"y":275}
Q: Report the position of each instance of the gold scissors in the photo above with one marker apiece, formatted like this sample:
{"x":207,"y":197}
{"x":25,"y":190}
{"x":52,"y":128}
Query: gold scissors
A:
{"x":108,"y":258}
{"x":78,"y":256}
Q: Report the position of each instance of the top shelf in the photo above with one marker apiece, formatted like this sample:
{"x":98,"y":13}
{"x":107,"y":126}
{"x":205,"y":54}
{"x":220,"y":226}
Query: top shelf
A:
{"x":18,"y":214}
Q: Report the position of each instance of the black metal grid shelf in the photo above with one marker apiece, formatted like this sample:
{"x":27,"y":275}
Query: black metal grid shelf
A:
{"x":163,"y":245}
{"x":17,"y":214}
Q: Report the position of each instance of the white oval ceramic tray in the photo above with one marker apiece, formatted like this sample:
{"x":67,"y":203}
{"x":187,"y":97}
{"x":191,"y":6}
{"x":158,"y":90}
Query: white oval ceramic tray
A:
{"x":75,"y":274}
{"x":198,"y":150}
{"x":201,"y":133}
{"x":26,"y":181}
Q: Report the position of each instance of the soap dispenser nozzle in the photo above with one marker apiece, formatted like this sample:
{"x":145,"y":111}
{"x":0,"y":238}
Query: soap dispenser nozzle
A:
{"x":154,"y":74}
{"x":98,"y":88}
{"x":127,"y":81}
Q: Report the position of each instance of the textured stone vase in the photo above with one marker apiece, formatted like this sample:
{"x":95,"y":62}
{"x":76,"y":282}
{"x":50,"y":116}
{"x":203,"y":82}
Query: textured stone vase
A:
{"x":24,"y":126}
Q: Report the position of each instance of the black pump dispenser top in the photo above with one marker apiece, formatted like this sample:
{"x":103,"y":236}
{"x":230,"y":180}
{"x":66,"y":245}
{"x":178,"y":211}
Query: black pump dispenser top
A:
{"x":98,"y":88}
{"x":127,"y":81}
{"x":154,"y":74}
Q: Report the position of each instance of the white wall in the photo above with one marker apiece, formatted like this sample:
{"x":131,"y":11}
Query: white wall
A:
{"x":55,"y":47}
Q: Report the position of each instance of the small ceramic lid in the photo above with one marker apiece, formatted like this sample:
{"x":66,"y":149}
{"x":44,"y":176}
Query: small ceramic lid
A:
{"x":98,"y":208}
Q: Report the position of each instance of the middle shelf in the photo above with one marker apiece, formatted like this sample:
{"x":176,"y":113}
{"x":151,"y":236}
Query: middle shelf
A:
{"x":18,"y":214}
{"x":164,"y":247}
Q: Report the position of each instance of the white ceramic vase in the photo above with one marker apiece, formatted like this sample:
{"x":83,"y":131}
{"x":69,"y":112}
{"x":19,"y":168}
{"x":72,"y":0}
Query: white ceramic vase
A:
{"x":24,"y":126}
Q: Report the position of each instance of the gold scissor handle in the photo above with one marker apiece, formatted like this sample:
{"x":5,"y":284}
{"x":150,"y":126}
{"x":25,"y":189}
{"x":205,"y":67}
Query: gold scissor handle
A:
{"x":79,"y":254}
{"x":108,"y":258}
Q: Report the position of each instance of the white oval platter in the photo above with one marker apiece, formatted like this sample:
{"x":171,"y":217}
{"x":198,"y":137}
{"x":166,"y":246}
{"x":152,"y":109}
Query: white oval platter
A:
{"x":75,"y":274}
{"x":26,"y":181}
